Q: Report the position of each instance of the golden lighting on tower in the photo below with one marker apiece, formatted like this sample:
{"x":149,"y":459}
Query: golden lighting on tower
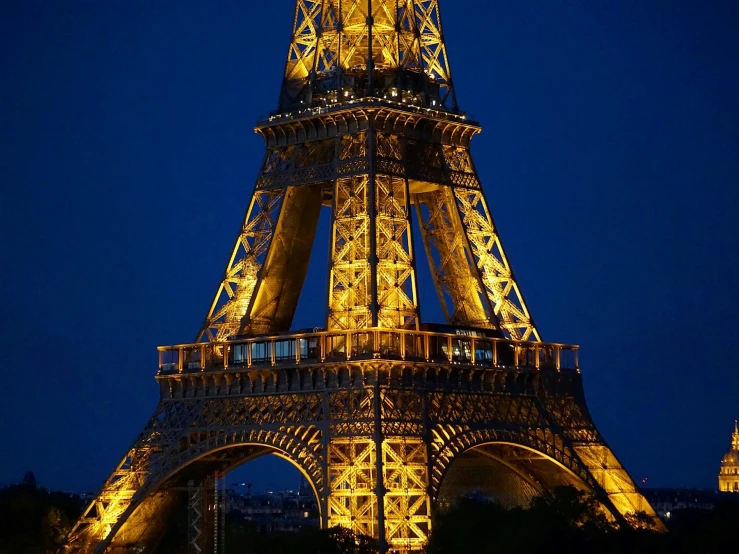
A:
{"x":374,"y":406}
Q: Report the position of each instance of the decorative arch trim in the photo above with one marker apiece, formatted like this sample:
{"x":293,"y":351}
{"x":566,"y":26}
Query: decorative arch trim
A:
{"x":542,"y":441}
{"x":300,"y":446}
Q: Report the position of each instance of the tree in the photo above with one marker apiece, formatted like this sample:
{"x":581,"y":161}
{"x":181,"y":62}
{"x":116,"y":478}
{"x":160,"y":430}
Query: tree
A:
{"x":243,"y":537}
{"x":34,"y":520}
{"x":562,"y":520}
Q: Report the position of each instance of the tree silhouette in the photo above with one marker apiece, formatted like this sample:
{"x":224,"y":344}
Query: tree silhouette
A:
{"x":568,"y":520}
{"x":34,"y":520}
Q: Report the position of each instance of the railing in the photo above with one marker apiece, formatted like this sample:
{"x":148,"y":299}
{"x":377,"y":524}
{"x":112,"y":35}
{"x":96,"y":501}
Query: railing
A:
{"x":365,"y":344}
{"x":368,"y":101}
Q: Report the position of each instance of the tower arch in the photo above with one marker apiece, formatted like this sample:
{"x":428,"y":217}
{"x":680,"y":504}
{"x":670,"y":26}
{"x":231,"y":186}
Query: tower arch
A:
{"x":146,"y":519}
{"x":535,"y":460}
{"x":509,"y":473}
{"x":550,"y":461}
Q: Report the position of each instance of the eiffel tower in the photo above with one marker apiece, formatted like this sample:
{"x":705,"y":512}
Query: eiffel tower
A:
{"x":386,"y":417}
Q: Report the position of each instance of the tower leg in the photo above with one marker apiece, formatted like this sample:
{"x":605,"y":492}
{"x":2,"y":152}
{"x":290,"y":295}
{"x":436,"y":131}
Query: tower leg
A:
{"x":203,"y":518}
{"x":195,"y":519}
{"x":380,"y":474}
{"x":221,"y":513}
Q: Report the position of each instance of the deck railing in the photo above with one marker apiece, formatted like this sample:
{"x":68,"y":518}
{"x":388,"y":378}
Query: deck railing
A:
{"x":365,"y":344}
{"x":369,"y":101}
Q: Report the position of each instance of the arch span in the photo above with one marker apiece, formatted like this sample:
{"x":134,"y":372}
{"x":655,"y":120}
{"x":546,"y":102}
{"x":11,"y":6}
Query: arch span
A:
{"x":552,"y":460}
{"x":136,"y":503}
{"x":507,"y":472}
{"x":454,"y":443}
{"x":147,"y":520}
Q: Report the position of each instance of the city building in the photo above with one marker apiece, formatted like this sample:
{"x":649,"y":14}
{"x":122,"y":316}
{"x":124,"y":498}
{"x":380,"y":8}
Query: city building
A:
{"x":274,"y":511}
{"x":728,"y":477}
{"x":671,"y":503}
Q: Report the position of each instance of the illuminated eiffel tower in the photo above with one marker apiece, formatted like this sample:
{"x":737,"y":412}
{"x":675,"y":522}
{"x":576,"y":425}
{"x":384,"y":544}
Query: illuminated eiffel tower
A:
{"x":385,"y":416}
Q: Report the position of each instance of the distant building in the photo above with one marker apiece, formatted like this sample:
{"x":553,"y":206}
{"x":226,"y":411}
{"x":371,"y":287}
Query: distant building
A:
{"x":728,"y":477}
{"x":669,"y":503}
{"x":281,"y":511}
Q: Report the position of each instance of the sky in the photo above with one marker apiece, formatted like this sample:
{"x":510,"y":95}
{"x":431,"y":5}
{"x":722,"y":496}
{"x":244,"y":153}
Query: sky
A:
{"x":609,"y":157}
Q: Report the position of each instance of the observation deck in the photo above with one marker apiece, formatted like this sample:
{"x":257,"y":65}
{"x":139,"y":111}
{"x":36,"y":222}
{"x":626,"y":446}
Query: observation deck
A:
{"x":465,"y":348}
{"x":432,"y":112}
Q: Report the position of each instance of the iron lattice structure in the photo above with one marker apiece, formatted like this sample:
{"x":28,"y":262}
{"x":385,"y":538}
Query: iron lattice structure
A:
{"x":384,"y":416}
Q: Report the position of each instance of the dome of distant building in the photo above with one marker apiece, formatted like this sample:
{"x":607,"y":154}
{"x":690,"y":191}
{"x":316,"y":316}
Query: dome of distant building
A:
{"x":731,"y":457}
{"x":728,"y":478}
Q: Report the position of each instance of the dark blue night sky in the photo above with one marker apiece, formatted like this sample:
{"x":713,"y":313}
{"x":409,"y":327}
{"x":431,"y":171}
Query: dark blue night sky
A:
{"x":610,"y":158}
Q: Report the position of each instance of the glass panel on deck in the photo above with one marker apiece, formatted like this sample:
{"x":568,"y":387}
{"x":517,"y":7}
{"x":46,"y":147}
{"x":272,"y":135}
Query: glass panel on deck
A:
{"x":285,"y":350}
{"x":336,"y":347}
{"x":414,"y":347}
{"x":239,"y":354}
{"x":483,"y":352}
{"x":362,"y":345}
{"x":389,"y":344}
{"x":260,"y":353}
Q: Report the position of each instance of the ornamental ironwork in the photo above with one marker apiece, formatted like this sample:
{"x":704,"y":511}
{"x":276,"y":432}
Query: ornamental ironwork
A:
{"x":385,"y":416}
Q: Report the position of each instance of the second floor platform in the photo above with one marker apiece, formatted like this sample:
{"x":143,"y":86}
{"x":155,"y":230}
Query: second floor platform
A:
{"x":438,"y":344}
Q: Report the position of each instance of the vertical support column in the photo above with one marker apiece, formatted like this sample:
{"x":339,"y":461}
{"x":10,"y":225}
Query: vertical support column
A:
{"x":195,"y":519}
{"x":221,"y":508}
{"x":372,"y":210}
{"x":339,"y":67}
{"x":350,"y":288}
{"x":428,"y":439}
{"x":352,"y":498}
{"x":370,"y":56}
{"x":396,"y":276}
{"x":403,"y":470}
{"x":412,"y":253}
{"x":349,"y":280}
{"x":372,"y":277}
{"x":380,"y":476}
{"x":203,"y":516}
{"x":217,"y":529}
{"x":407,"y":503}
{"x":332,"y":229}
{"x":326,"y":442}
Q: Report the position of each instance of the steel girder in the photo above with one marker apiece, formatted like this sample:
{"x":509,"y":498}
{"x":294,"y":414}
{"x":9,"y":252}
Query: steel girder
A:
{"x":233,"y":298}
{"x":335,"y":42}
{"x":375,"y":440}
{"x":370,"y":176}
{"x":196,"y":516}
{"x":372,"y":280}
